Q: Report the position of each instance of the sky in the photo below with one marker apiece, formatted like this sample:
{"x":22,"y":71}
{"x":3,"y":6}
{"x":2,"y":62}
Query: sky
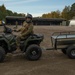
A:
{"x":36,"y":7}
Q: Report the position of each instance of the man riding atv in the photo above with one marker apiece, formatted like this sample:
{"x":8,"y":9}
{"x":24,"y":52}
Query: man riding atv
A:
{"x":28,"y":42}
{"x":26,"y":30}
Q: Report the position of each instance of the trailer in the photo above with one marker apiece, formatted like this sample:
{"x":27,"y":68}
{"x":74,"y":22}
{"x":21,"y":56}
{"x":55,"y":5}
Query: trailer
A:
{"x":65,"y":41}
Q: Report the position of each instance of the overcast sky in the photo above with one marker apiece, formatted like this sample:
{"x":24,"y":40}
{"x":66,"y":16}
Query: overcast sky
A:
{"x":36,"y":7}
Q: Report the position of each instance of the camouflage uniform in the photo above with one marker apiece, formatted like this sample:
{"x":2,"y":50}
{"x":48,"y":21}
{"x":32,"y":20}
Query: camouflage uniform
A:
{"x":26,"y":29}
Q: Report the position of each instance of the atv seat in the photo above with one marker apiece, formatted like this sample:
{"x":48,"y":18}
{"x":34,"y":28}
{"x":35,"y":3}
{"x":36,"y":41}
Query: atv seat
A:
{"x":25,"y":37}
{"x":32,"y":36}
{"x":37,"y":35}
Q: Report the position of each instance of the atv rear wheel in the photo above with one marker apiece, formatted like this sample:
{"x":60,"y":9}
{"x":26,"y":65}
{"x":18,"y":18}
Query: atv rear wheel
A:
{"x":33,"y":52}
{"x":2,"y":54}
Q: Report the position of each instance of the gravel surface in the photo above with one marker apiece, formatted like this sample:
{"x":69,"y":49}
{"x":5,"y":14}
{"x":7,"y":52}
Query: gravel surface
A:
{"x":51,"y":63}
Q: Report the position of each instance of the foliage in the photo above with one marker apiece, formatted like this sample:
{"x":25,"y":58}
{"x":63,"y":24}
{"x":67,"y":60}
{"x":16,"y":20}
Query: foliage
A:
{"x":5,"y":12}
{"x":72,"y":11}
{"x":67,"y":13}
{"x":53,"y":14}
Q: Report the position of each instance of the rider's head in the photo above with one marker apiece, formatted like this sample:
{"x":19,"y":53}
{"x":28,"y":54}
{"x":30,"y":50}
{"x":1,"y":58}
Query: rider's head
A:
{"x":29,"y":18}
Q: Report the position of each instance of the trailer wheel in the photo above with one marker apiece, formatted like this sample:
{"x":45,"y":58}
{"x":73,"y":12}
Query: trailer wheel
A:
{"x":71,"y":52}
{"x":33,"y":52}
{"x":64,"y":50}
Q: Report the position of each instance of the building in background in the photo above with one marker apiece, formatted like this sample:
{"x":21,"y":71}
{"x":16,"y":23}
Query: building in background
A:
{"x":11,"y":20}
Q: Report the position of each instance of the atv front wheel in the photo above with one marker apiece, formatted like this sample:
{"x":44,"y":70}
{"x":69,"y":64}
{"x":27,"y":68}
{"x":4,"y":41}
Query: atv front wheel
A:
{"x":33,"y":52}
{"x":2,"y":54}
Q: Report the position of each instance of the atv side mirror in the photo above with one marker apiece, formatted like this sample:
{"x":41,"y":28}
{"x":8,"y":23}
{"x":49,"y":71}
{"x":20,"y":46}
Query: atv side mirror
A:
{"x":3,"y":23}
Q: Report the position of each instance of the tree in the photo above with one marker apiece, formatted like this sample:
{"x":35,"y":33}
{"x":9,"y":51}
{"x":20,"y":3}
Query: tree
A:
{"x":72,"y":11}
{"x":9,"y":13}
{"x":44,"y":16}
{"x":2,"y":12}
{"x":58,"y":14}
{"x":66,"y":13}
{"x":5,"y":12}
{"x":53,"y":14}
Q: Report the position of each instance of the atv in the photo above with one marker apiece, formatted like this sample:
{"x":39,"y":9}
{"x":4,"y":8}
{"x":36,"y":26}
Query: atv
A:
{"x":29,"y":45}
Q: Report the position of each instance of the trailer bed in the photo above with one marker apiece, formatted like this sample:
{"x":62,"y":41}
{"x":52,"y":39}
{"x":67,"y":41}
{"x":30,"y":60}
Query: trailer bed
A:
{"x":62,"y":39}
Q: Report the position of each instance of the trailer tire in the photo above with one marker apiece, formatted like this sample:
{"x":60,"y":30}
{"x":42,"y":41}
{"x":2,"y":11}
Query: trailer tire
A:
{"x":71,"y":52}
{"x":63,"y":50}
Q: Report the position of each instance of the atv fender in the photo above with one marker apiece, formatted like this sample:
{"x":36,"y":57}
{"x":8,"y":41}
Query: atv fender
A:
{"x":30,"y":41}
{"x":6,"y":41}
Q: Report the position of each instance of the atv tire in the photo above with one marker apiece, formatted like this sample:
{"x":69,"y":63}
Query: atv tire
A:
{"x":2,"y":54}
{"x":33,"y":52}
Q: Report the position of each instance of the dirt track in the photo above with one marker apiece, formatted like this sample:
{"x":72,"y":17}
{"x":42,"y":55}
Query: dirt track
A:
{"x":51,"y":62}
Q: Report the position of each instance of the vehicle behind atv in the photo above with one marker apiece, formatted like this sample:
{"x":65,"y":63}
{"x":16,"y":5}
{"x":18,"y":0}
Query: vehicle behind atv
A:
{"x":29,"y":45}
